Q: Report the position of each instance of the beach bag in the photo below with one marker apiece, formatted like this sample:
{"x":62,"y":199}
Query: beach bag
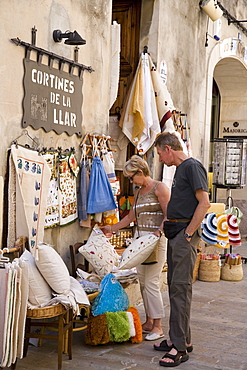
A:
{"x":139,"y":251}
{"x":112,"y":297}
{"x":100,"y":196}
{"x":153,"y":257}
{"x":236,"y":212}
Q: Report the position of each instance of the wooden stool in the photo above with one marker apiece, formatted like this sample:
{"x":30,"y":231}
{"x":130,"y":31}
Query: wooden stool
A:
{"x":73,"y":251}
{"x":83,"y":322}
{"x":63,"y":321}
{"x":85,"y":267}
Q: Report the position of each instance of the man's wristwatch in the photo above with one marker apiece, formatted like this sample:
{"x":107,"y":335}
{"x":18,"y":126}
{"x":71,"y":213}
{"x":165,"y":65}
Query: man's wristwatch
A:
{"x":187,"y":235}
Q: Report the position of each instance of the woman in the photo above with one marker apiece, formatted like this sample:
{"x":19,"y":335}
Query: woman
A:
{"x":149,"y":211}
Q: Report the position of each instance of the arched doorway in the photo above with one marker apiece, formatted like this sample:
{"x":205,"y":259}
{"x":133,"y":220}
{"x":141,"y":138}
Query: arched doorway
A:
{"x":230,"y":76}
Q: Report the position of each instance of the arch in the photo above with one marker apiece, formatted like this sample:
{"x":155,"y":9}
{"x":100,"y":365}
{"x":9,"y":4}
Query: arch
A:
{"x":229,"y":70}
{"x":221,"y":59}
{"x":231,"y":77}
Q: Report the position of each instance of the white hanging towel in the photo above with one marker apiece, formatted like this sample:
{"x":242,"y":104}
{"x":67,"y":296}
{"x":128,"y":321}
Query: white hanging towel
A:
{"x":141,"y":121}
{"x":115,"y":62}
{"x":162,"y":96}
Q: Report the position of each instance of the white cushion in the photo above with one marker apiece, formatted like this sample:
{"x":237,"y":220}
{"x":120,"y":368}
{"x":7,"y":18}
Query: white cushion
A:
{"x":39,"y":292}
{"x":53,"y":268}
{"x":138,"y":251}
{"x":99,"y":252}
{"x":78,"y":292}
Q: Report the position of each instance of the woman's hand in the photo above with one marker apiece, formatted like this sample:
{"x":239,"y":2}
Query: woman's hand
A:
{"x":157,"y":233}
{"x":107,"y":230}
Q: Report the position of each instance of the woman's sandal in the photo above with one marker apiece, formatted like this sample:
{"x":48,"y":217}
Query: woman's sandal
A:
{"x":177,"y":359}
{"x":163,"y":346}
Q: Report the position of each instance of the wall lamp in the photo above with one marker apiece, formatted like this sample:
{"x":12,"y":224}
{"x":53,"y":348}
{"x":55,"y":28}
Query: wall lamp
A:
{"x":211,"y":8}
{"x":73,"y":38}
{"x":235,"y":21}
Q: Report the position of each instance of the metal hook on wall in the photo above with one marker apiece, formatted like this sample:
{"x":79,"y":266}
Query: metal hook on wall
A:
{"x":25,"y":133}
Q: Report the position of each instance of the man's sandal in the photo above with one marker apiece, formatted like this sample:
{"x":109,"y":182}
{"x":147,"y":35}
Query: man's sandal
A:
{"x":177,"y":359}
{"x":163,"y":346}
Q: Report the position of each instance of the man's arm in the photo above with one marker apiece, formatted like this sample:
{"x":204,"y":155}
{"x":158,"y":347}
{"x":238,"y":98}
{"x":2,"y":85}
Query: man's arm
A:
{"x":200,"y":211}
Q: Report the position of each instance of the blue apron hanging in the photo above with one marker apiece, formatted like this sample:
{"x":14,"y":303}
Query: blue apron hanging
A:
{"x":100,"y":196}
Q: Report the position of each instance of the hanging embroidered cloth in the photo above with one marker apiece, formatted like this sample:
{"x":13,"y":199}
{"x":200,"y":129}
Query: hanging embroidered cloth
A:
{"x":67,"y":191}
{"x":52,"y":218}
{"x":100,"y":196}
{"x":11,"y":202}
{"x":32,"y":184}
{"x":83,"y":191}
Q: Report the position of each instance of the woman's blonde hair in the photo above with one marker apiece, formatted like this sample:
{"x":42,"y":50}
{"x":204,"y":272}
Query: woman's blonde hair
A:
{"x":134,"y":164}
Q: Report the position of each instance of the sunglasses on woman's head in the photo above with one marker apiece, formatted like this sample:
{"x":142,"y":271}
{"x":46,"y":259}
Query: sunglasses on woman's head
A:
{"x":131,"y":177}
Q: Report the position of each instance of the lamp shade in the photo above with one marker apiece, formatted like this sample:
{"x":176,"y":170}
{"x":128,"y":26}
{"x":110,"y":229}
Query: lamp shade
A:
{"x":211,"y":8}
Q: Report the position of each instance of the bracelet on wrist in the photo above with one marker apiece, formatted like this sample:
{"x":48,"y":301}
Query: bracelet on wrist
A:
{"x":161,"y":232}
{"x":113,"y":232}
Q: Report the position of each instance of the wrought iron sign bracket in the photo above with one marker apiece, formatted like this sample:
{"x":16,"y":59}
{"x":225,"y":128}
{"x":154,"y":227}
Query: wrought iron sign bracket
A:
{"x":52,"y":56}
{"x":52,"y":94}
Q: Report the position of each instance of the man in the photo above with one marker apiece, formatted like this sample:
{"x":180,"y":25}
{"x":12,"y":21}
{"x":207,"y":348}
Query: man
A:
{"x":186,"y":209}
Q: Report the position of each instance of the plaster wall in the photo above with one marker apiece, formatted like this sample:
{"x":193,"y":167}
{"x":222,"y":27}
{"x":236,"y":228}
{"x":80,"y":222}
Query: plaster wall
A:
{"x":176,"y":33}
{"x":92,"y":21}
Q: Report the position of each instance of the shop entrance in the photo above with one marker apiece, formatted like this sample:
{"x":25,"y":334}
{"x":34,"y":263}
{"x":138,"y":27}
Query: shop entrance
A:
{"x":229,"y":112}
{"x":127,"y":14}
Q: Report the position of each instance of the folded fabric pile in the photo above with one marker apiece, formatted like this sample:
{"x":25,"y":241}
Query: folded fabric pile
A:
{"x":220,"y":229}
{"x":111,"y":318}
{"x":126,"y":276}
{"x":49,"y":281}
{"x":13,"y":307}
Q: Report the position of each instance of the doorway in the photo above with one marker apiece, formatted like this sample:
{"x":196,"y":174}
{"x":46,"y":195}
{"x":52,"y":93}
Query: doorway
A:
{"x":128,"y":14}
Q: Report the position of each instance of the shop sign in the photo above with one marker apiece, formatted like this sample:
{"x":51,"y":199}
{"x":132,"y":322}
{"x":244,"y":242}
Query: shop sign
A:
{"x":52,"y":99}
{"x":238,"y":128}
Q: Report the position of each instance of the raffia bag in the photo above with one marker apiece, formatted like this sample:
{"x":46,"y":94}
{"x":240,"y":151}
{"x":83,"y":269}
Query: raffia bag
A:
{"x":196,"y":268}
{"x":209,"y":270}
{"x":232,"y":272}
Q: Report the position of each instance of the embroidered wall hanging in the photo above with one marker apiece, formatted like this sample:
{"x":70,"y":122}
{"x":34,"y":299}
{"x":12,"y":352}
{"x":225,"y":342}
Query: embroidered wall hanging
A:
{"x":52,"y":218}
{"x":32,"y":184}
{"x":66,"y":191}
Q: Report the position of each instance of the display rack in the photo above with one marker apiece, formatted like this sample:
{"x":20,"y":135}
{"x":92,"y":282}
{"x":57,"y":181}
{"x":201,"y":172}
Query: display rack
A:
{"x":96,"y":143}
{"x":229,"y":163}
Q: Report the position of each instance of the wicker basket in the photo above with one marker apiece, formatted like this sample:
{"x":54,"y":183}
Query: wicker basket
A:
{"x":209,"y":270}
{"x":45,"y":312}
{"x":196,"y":268}
{"x":119,"y":240}
{"x":232,"y":273}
